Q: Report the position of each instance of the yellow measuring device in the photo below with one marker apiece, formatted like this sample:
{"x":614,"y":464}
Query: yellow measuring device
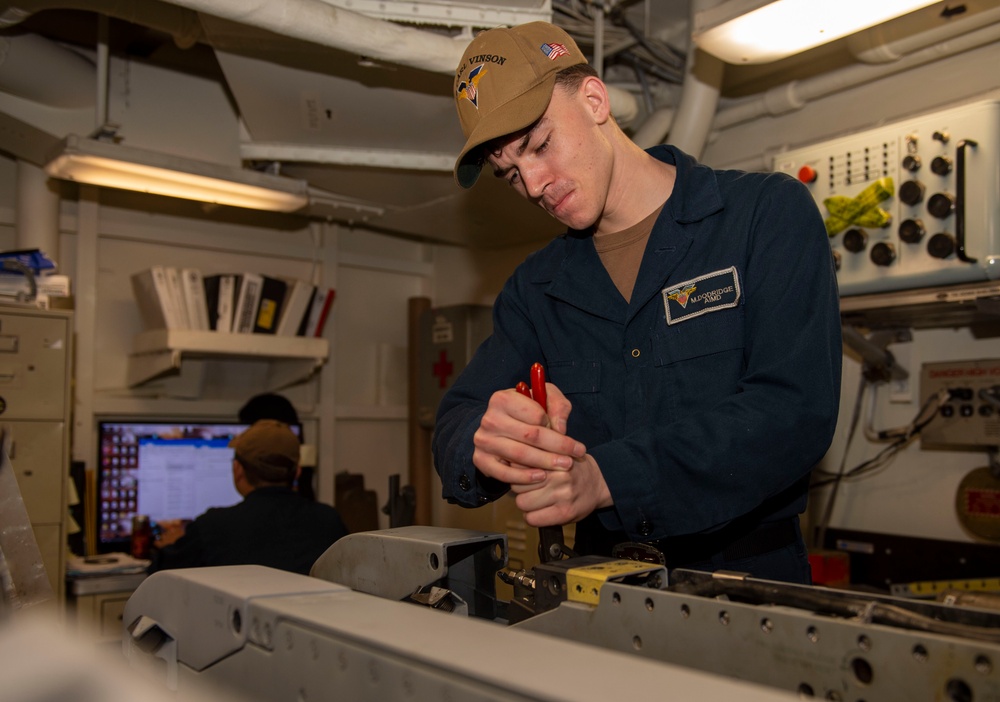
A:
{"x":933,"y":588}
{"x":584,"y":583}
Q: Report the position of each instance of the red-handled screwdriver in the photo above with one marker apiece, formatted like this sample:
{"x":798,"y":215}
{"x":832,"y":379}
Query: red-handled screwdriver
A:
{"x":538,"y":385}
{"x":551,"y":544}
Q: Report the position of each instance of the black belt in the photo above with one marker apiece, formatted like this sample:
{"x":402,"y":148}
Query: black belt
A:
{"x":691,"y":549}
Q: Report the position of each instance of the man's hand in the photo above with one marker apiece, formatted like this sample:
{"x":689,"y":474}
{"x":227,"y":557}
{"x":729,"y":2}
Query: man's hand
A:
{"x":170,"y":531}
{"x":518,"y":443}
{"x":564,"y":496}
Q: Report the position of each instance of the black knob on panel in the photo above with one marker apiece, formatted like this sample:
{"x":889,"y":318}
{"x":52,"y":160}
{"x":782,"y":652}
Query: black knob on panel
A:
{"x":941,"y":245}
{"x":911,"y":192}
{"x":883,"y":254}
{"x":912,"y":231}
{"x":911,"y":163}
{"x":855,"y":240}
{"x":941,"y":205}
{"x":947,"y":411}
{"x":941,"y":165}
{"x":836,"y":260}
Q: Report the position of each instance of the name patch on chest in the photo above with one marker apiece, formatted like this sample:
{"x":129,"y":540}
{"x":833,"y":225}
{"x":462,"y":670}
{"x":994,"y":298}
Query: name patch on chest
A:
{"x":706,"y":293}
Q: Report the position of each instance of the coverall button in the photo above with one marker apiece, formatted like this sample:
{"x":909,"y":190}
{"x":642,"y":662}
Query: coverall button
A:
{"x":635,"y":353}
{"x":645,"y":527}
{"x":464,"y":482}
{"x":483,"y":500}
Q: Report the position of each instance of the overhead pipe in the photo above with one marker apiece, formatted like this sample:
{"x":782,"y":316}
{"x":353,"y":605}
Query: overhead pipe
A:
{"x":598,"y":62}
{"x":313,"y":21}
{"x":320,"y":23}
{"x":68,"y":75}
{"x":36,"y":214}
{"x":103,"y":72}
{"x":182,"y":24}
{"x":700,"y":93}
{"x":796,"y":94}
{"x":655,"y":128}
{"x":894,"y":40}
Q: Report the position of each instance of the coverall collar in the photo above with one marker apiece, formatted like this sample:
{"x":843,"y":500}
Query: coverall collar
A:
{"x":695,"y":196}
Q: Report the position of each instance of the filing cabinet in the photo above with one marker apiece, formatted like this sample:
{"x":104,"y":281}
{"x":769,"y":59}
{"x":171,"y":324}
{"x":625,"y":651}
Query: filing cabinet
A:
{"x":35,"y":404}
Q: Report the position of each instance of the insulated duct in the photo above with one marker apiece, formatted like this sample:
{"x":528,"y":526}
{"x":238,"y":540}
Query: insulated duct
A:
{"x":69,"y":77}
{"x":313,"y":21}
{"x":184,"y":25}
{"x":320,"y":23}
{"x":690,"y":123}
{"x":796,"y":94}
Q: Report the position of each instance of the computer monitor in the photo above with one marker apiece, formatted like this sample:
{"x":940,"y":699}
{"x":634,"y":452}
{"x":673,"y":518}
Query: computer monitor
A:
{"x":165,"y":470}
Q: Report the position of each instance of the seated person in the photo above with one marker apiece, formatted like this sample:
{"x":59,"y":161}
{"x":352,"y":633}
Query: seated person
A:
{"x":272,"y":526}
{"x":270,"y":405}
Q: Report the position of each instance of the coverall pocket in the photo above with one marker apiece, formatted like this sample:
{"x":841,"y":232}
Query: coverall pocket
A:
{"x":699,"y":337}
{"x":580,"y":382}
{"x":575,"y":376}
{"x":699,"y":365}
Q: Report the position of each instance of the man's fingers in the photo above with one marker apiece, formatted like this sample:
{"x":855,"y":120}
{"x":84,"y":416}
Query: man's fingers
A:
{"x":530,"y":446}
{"x":503,"y":470}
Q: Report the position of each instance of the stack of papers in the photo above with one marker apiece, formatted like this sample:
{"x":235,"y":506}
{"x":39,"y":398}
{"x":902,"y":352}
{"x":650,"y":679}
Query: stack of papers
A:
{"x":105,"y":564}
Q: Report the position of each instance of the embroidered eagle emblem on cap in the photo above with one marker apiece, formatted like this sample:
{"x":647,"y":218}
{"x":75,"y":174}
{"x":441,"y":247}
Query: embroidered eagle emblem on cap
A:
{"x":470,"y":89}
{"x":681,"y":295}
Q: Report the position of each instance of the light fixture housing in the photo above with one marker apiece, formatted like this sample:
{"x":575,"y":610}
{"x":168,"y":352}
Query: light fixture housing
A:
{"x":113,"y":165}
{"x":761,"y":31}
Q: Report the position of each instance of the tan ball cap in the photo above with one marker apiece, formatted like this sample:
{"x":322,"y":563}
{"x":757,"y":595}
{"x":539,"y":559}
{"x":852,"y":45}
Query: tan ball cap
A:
{"x":504,"y":83}
{"x":270,"y":446}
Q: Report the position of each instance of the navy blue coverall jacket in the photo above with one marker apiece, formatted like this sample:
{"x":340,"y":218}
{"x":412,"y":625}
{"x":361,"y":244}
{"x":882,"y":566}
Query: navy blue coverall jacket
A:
{"x":709,"y":396}
{"x":272,"y":526}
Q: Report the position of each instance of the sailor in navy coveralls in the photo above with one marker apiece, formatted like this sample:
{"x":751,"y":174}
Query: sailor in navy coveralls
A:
{"x":685,"y":412}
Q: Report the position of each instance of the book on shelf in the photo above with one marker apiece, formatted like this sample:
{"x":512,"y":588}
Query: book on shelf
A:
{"x":235,"y":303}
{"x":194,"y":298}
{"x":319,"y":311}
{"x":247,"y":302}
{"x":296,"y":307}
{"x":220,"y":293}
{"x":155,"y":299}
{"x":177,"y":294}
{"x":272,"y":297}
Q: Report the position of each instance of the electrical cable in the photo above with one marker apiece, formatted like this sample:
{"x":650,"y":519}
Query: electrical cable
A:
{"x":991,"y":396}
{"x":900,"y":437}
{"x":825,"y":521}
{"x":929,"y":408}
{"x":642,"y":52}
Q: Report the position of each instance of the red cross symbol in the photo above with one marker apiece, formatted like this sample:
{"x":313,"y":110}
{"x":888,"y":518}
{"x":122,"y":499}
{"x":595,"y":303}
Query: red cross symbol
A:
{"x":443,"y":369}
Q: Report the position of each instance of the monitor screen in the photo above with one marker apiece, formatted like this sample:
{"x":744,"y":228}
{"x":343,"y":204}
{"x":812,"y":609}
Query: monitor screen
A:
{"x":165,"y":470}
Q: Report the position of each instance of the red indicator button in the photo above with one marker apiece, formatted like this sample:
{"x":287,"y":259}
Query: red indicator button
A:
{"x":807,"y":174}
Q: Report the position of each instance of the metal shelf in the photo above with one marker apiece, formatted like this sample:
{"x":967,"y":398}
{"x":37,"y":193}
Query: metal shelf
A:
{"x":925,"y":308}
{"x":161,"y":352}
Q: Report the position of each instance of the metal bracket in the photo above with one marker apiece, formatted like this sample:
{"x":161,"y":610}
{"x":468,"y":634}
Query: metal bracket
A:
{"x":878,"y":363}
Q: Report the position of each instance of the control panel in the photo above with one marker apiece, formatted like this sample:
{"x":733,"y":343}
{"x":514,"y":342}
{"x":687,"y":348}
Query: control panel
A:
{"x":911,"y":204}
{"x":970,"y":416}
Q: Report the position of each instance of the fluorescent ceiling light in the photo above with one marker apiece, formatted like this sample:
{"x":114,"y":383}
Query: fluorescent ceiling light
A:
{"x":759,"y":31}
{"x":115,"y":166}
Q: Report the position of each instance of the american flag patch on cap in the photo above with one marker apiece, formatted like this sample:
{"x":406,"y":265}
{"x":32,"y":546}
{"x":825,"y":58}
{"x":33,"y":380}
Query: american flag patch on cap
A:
{"x":554,"y":51}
